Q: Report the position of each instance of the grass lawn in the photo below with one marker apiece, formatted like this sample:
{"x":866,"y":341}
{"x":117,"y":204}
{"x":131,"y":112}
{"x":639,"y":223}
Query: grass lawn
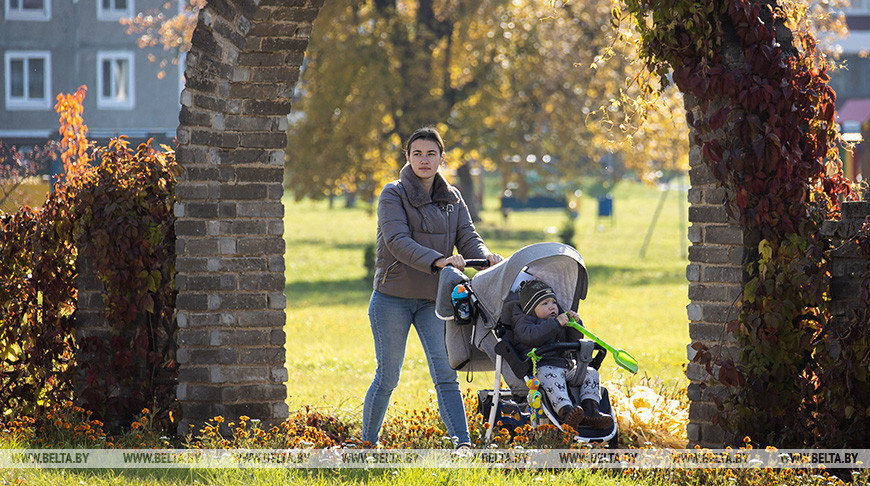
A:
{"x":31,"y":193}
{"x":386,"y":477}
{"x":634,"y":303}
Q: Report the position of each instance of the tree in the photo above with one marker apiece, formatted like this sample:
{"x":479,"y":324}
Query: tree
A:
{"x":504,"y":78}
{"x":74,"y":145}
{"x":376,"y":71}
{"x":507,"y":81}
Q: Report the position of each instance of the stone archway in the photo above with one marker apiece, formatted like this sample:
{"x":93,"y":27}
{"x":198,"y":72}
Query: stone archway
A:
{"x":241,"y":72}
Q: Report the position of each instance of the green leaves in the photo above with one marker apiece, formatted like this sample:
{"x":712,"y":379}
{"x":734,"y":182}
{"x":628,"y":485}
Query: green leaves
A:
{"x":501,"y":79}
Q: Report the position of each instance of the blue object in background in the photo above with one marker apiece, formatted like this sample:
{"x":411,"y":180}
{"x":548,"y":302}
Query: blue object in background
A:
{"x":535,"y":202}
{"x":605,"y":206}
{"x":56,"y":171}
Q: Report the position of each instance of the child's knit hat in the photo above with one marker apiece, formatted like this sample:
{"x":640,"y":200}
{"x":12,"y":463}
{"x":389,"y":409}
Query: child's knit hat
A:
{"x":532,"y":293}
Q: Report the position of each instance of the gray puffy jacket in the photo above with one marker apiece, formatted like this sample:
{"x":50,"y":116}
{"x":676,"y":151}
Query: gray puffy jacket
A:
{"x":416,"y":229}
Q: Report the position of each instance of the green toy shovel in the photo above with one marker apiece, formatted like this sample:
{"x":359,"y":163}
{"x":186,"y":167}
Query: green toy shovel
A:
{"x":623,"y":358}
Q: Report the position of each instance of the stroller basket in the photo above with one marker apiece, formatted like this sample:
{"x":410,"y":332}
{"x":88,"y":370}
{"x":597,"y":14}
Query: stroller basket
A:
{"x":512,"y":411}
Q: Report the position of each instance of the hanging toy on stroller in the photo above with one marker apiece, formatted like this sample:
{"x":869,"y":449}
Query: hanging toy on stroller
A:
{"x":535,"y":398}
{"x":484,"y":343}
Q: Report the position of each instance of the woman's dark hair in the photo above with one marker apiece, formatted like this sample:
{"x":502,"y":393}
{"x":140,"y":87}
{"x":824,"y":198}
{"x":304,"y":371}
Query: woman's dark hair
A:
{"x":425,"y":133}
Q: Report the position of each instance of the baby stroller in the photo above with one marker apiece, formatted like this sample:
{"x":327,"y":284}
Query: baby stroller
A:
{"x":480,"y":345}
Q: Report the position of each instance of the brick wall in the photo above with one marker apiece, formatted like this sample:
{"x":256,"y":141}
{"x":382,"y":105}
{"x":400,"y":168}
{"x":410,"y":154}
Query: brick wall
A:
{"x":847,"y":266}
{"x":717,"y":259}
{"x":91,"y":323}
{"x":715,"y":274}
{"x":89,"y":313}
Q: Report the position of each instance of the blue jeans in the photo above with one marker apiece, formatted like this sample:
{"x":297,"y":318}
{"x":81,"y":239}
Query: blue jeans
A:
{"x":391,"y":319}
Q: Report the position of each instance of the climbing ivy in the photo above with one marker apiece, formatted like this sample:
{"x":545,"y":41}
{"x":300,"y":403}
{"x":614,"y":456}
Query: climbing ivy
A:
{"x":841,"y":352}
{"x":37,"y":300}
{"x":114,"y":205}
{"x":765,"y":124}
{"x":124,"y":223}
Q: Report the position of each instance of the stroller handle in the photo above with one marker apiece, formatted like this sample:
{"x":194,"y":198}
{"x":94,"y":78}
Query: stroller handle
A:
{"x":475,"y":262}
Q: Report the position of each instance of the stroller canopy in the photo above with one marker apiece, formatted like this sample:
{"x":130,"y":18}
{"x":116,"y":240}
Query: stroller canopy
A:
{"x":557,"y":264}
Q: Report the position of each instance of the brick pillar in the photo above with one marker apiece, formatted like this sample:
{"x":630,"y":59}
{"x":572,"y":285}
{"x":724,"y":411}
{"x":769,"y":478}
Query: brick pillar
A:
{"x":716,"y":277}
{"x":847,"y":266}
{"x":90,"y":321}
{"x":241,"y":72}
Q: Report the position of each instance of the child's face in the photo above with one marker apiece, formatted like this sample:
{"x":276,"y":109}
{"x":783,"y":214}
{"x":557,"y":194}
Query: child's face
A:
{"x":546,"y":308}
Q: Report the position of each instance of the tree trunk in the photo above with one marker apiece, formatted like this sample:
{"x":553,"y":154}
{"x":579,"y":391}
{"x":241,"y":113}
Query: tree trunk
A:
{"x":466,"y":186}
{"x":350,"y":199}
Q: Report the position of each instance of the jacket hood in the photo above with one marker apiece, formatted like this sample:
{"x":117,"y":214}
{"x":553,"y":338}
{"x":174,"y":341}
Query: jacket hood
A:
{"x":418,"y":195}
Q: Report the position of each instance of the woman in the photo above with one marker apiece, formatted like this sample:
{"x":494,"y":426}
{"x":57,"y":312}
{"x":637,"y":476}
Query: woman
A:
{"x":421,"y":219}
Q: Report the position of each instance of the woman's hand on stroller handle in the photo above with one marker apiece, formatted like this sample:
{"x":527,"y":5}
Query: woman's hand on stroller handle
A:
{"x":494,"y":258}
{"x":456,"y":260}
{"x":460,"y":262}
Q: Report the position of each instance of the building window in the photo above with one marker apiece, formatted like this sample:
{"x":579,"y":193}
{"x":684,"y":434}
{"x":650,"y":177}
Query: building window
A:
{"x":28,"y":80}
{"x":115,"y":80}
{"x":28,"y":9}
{"x":114,"y":9}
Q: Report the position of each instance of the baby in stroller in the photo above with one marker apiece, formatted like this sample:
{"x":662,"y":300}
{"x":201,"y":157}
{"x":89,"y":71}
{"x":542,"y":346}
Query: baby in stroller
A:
{"x":535,"y":319}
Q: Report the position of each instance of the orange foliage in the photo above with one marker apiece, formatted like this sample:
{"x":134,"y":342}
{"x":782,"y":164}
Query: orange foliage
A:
{"x":74,"y":142}
{"x":161,"y":26}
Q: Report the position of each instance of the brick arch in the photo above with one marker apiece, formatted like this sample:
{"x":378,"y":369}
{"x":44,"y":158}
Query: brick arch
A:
{"x":241,"y":72}
{"x":240,"y":75}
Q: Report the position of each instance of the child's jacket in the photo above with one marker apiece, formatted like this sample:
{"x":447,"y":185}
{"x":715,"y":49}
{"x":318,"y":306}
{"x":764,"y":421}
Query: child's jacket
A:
{"x":529,"y":332}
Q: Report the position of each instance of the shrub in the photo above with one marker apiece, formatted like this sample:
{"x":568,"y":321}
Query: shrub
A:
{"x":37,"y":300}
{"x":120,"y":212}
{"x":124,"y":223}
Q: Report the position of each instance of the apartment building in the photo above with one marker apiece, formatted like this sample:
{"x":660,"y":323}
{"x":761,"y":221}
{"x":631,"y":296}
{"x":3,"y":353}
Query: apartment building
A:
{"x":54,"y":46}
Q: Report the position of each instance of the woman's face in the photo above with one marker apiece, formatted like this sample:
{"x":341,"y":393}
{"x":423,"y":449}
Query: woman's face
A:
{"x":425,"y":158}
